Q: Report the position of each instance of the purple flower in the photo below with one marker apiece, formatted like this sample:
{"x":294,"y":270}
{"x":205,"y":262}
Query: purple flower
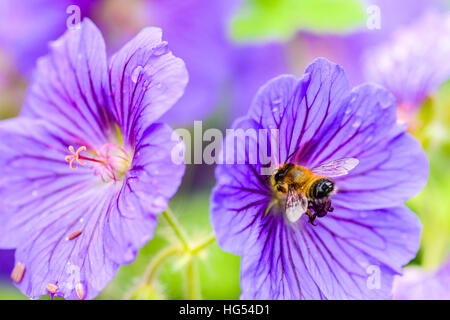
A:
{"x":390,"y":55}
{"x":419,"y":284}
{"x":73,"y":228}
{"x":395,"y":64}
{"x":353,"y":251}
{"x":27,"y":26}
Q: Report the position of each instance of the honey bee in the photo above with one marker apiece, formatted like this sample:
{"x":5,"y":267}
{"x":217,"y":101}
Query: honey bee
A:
{"x":305,"y":190}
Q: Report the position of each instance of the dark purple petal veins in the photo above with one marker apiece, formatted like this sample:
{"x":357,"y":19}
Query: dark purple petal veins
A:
{"x":145,"y":80}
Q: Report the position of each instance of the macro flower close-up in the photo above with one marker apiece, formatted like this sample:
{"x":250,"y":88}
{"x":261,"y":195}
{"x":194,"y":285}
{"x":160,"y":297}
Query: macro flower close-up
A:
{"x":224,"y":155}
{"x":82,"y":165}
{"x":367,"y":229}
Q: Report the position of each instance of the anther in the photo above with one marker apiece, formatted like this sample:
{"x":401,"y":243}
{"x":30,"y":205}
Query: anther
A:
{"x":18,"y":272}
{"x":74,"y":234}
{"x":79,"y":289}
{"x":52,"y":288}
{"x":75,"y":156}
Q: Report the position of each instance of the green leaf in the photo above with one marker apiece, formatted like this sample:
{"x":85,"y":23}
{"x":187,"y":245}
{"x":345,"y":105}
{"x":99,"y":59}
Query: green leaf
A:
{"x":280,"y":19}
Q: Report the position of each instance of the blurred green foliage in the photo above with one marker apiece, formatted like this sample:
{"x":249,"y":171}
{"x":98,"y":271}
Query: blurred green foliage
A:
{"x":280,"y":19}
{"x":433,"y":203}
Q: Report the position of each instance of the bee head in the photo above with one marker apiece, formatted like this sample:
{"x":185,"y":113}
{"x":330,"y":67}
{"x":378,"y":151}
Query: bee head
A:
{"x":282,"y":171}
{"x":323,"y":188}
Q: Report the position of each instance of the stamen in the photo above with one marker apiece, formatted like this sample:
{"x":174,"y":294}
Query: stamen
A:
{"x":110,"y":162}
{"x":75,"y":156}
{"x":79,"y":289}
{"x":18,"y":272}
{"x":74,"y":234}
{"x":52,"y":288}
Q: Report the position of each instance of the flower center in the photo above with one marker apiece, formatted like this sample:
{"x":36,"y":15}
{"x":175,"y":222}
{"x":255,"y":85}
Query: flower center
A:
{"x":110,"y":162}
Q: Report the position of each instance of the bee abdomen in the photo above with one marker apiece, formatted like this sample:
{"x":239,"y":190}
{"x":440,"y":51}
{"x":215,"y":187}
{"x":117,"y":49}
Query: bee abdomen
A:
{"x":321,"y":188}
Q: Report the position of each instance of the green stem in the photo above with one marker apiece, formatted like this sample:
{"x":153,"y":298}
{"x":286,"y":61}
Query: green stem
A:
{"x":152,"y":270}
{"x":193,"y":290}
{"x":203,"y":245}
{"x":176,"y":227}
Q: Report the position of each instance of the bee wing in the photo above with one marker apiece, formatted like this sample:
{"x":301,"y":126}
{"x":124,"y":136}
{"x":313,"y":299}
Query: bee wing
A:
{"x":296,"y":204}
{"x":336,"y":168}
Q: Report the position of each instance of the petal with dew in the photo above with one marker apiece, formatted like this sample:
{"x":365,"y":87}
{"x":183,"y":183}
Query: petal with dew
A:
{"x":145,"y":80}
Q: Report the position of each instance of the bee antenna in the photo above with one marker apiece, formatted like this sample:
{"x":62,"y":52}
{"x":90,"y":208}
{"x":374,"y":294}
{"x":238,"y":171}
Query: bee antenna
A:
{"x":291,"y":154}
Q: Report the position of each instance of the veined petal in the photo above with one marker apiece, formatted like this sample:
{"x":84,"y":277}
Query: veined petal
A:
{"x":69,"y":84}
{"x":151,"y":181}
{"x":366,"y":128}
{"x":48,"y":205}
{"x":145,"y":80}
{"x":301,"y":108}
{"x":243,"y":183}
{"x":339,"y":259}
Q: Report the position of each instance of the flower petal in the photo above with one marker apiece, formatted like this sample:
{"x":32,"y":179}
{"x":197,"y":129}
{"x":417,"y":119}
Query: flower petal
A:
{"x":151,"y":181}
{"x":69,"y":84}
{"x":340,"y":258}
{"x":392,"y":165}
{"x":145,"y":80}
{"x":301,"y":108}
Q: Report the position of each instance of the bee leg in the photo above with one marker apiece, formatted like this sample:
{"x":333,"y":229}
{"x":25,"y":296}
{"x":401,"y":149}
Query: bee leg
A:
{"x":312,"y":217}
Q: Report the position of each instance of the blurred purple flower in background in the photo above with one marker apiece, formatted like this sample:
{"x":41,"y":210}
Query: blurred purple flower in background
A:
{"x":415,"y":62}
{"x":253,"y":65}
{"x":419,"y":284}
{"x":369,"y":234}
{"x":406,"y":54}
{"x":26,"y":27}
{"x":73,"y":228}
{"x":220,"y":74}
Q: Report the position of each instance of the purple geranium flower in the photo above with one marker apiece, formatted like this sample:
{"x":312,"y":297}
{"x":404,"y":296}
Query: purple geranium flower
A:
{"x":353,"y":251}
{"x":72,"y":229}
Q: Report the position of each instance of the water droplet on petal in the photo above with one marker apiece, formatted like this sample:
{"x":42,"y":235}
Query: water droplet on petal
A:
{"x":146,"y":84}
{"x":136,"y":73}
{"x":160,"y":49}
{"x":160,"y":202}
{"x":385,"y":105}
{"x":357,"y":123}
